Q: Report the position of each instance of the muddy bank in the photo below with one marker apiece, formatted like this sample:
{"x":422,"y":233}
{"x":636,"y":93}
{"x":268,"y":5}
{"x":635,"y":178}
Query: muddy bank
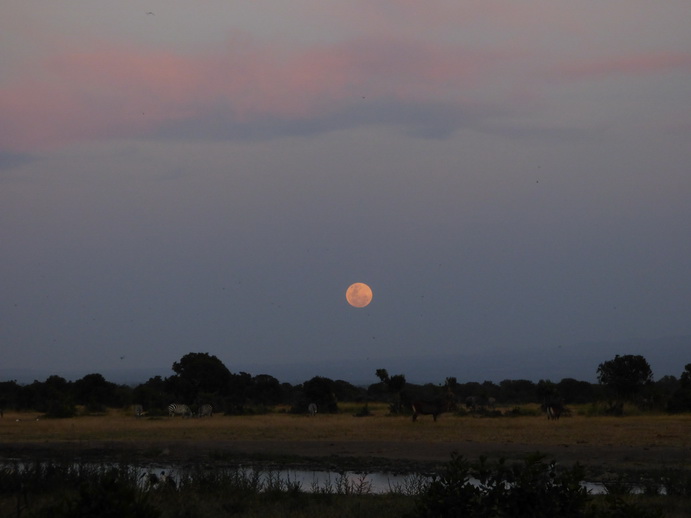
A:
{"x":393,"y":456}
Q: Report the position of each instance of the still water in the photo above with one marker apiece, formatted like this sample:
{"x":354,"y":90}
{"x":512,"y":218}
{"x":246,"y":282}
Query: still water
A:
{"x":312,"y":481}
{"x":345,"y":482}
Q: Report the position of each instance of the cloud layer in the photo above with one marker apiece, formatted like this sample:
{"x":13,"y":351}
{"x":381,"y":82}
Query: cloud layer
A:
{"x":375,"y":69}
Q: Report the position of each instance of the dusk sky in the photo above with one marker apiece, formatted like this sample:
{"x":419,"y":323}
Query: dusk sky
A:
{"x":511,"y":178}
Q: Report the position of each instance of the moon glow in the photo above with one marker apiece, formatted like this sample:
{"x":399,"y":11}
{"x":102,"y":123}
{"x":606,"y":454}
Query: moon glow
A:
{"x":359,"y":295}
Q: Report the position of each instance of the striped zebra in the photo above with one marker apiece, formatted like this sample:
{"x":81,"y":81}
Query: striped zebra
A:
{"x":206,"y":411}
{"x":179,"y":409}
{"x":312,"y":409}
{"x":554,"y":409}
{"x":138,"y":410}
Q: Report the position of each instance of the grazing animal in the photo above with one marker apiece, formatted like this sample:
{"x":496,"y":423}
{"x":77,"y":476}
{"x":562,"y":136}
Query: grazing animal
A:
{"x":433,"y":408}
{"x":206,"y":411}
{"x":472,"y":402}
{"x":138,"y":410}
{"x":312,"y":409}
{"x":553,"y":409}
{"x":179,"y":409}
{"x":553,"y":412}
{"x":478,"y":403}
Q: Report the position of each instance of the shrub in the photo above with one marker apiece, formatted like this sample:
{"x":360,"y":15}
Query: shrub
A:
{"x":363,"y":412}
{"x":112,"y":493}
{"x":531,"y":489}
{"x":61,"y":409}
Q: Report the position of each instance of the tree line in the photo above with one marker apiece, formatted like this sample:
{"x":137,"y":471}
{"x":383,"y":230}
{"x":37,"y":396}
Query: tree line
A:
{"x":201,"y":378}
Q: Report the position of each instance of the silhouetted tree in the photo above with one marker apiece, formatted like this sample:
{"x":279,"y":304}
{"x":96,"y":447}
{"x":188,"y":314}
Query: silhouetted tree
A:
{"x":625,"y":376}
{"x":265,"y":390}
{"x":517,"y":391}
{"x":575,"y":392}
{"x":346,"y":391}
{"x":55,"y":397}
{"x":681,"y":399}
{"x":153,"y":395}
{"x":239,"y":387}
{"x":546,"y":390}
{"x":199,"y":372}
{"x":96,"y":393}
{"x":383,"y":375}
{"x":10,"y":395}
{"x":321,"y":391}
{"x":395,"y":385}
{"x":391,"y":387}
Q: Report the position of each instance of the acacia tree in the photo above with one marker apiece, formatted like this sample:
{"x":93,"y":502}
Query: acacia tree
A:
{"x":625,"y":375}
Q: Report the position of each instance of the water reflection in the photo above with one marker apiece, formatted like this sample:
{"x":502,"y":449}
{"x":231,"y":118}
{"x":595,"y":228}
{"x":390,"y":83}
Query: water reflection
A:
{"x":154,"y":476}
{"x":345,"y":482}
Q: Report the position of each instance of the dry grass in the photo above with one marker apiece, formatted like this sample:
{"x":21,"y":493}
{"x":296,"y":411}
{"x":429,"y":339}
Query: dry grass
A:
{"x":636,"y":431}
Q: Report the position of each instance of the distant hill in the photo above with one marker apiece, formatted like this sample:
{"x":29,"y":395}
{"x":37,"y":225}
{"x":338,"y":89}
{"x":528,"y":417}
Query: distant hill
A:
{"x":119,"y":376}
{"x":667,"y":356}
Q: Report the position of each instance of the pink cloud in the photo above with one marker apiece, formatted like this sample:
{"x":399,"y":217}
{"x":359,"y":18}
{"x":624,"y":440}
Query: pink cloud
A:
{"x":127,"y":92}
{"x":642,"y":64}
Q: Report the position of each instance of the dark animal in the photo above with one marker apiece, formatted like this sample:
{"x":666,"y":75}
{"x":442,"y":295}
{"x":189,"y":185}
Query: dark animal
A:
{"x":206,"y":411}
{"x":553,"y":409}
{"x":433,"y":408}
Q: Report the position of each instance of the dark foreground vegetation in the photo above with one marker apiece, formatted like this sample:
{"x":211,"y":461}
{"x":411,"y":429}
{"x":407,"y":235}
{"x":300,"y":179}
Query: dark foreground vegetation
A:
{"x":201,"y":378}
{"x":532,"y":488}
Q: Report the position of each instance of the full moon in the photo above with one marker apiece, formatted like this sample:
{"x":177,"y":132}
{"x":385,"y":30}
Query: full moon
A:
{"x":359,"y":295}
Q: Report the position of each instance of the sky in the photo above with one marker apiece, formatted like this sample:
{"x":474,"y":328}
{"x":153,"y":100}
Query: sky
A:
{"x":511,"y":178}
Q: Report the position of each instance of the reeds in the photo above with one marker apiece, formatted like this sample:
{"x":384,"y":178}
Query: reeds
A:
{"x":60,"y":490}
{"x":38,"y":489}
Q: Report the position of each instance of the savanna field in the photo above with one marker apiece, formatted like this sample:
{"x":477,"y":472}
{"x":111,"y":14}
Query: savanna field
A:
{"x":642,"y":431}
{"x":608,"y":447}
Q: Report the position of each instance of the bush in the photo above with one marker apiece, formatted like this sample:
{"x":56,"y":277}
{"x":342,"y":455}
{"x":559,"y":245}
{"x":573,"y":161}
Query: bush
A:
{"x":363,"y":412}
{"x":107,"y":496}
{"x":530,"y":489}
{"x":61,"y":409}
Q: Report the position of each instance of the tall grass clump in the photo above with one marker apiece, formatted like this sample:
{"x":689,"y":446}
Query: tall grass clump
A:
{"x":531,"y":489}
{"x":481,"y":489}
{"x":51,"y":490}
{"x":46,"y":489}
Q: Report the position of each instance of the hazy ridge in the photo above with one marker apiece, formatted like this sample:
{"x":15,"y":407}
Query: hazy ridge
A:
{"x":577,"y":361}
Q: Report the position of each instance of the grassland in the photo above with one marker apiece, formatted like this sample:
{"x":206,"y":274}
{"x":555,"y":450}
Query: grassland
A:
{"x":638,"y":446}
{"x":377,"y":441}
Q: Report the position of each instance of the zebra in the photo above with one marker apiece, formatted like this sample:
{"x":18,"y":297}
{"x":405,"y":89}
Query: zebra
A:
{"x":138,"y":410}
{"x":312,"y":409}
{"x":206,"y":411}
{"x":554,"y":409}
{"x":179,"y":409}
